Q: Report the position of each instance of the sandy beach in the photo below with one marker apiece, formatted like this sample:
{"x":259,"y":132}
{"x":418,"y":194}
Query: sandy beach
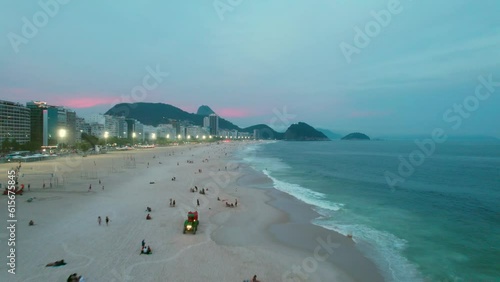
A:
{"x":267,"y":234}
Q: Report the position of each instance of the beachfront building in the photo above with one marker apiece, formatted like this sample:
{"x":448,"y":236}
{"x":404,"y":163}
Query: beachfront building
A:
{"x":244,"y":135}
{"x":214,"y":124}
{"x":232,"y":134}
{"x":166,"y":131}
{"x":96,"y":118}
{"x":14,"y":122}
{"x":81,"y":127}
{"x":39,"y":121}
{"x":195,"y":131}
{"x":97,"y":130}
{"x":71,"y":127}
{"x":149,"y":132}
{"x":206,"y":122}
{"x":116,"y":126}
{"x":135,"y":130}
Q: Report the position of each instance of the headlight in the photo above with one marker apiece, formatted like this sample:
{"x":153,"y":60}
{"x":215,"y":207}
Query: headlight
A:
{"x":188,"y":227}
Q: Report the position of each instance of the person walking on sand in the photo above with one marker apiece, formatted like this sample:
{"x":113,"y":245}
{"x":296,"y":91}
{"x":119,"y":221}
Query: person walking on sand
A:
{"x":99,"y":181}
{"x":99,"y":220}
{"x":107,"y":221}
{"x":143,"y":243}
{"x":90,"y":188}
{"x":198,"y":202}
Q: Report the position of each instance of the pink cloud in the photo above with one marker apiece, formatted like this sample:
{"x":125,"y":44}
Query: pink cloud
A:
{"x":86,"y":101}
{"x":233,"y":113}
{"x":367,"y":114}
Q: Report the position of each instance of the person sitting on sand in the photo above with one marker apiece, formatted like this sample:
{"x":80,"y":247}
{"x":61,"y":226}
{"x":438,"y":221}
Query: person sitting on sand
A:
{"x":56,"y":263}
{"x":148,"y":209}
{"x":254,"y":279}
{"x":149,"y":251}
{"x":31,"y":223}
{"x":74,"y":278}
{"x":148,"y":217}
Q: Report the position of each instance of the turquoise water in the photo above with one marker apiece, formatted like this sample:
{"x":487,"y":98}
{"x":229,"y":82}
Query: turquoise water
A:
{"x":441,"y":224}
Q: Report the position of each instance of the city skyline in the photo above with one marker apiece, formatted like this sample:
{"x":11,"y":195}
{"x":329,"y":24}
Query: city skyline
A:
{"x":382,"y":67}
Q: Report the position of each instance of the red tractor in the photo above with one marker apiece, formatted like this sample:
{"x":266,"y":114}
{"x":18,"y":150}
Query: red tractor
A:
{"x":191,"y":224}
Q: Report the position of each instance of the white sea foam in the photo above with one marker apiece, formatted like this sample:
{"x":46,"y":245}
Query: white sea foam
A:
{"x":383,"y":248}
{"x":305,"y":195}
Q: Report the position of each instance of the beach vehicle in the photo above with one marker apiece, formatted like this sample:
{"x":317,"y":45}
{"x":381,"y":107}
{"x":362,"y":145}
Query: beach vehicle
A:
{"x":191,"y":224}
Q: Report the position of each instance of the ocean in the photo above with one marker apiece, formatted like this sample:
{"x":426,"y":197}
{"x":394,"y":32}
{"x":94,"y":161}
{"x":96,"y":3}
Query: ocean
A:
{"x":442,"y":223}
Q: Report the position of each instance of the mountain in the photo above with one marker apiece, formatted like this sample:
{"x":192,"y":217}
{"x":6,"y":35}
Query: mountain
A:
{"x":264,"y":132}
{"x":158,"y":113}
{"x":304,"y":132}
{"x":204,"y":110}
{"x":356,"y":136}
{"x":330,"y":134}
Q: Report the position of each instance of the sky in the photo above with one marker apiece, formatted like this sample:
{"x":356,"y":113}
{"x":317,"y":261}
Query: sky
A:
{"x":377,"y":67}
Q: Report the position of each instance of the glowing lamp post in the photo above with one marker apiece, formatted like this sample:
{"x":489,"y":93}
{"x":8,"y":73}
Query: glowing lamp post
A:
{"x":62,"y":134}
{"x":106,"y":135}
{"x":153,"y":136}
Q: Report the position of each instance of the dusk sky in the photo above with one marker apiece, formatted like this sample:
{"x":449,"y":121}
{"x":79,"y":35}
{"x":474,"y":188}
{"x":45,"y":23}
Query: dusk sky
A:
{"x":257,"y":61}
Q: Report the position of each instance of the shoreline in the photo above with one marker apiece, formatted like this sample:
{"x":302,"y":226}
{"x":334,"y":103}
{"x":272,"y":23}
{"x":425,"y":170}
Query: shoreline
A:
{"x":299,"y":217}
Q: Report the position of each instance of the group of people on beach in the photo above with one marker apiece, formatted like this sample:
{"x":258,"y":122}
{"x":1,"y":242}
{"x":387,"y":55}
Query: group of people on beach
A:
{"x":145,"y":250}
{"x":90,"y":186}
{"x":99,"y":220}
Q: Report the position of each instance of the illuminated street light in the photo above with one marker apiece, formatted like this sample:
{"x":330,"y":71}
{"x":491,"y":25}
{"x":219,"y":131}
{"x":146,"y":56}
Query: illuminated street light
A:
{"x":62,"y":133}
{"x":168,"y":136}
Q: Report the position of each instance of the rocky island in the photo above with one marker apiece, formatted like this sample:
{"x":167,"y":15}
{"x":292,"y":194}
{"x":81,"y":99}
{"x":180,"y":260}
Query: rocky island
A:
{"x":356,"y":136}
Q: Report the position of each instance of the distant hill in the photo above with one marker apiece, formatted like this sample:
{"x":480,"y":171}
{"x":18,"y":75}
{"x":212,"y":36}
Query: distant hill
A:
{"x":330,"y":134}
{"x":304,"y":132}
{"x":356,"y":136}
{"x":264,"y":132}
{"x":158,"y":113}
{"x":204,"y":110}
